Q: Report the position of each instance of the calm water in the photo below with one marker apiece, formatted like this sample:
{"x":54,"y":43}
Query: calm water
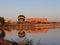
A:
{"x":49,"y":38}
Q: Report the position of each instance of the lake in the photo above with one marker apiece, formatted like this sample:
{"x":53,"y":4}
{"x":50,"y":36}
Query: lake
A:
{"x":51,"y":37}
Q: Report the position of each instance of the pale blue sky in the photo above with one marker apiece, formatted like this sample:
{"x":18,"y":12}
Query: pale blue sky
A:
{"x":30,"y":8}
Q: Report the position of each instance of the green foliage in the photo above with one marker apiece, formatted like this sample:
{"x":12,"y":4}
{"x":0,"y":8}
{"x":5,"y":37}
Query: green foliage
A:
{"x":2,"y":20}
{"x":2,"y":34}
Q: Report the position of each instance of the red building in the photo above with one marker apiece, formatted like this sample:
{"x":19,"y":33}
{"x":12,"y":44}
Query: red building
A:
{"x":35,"y":20}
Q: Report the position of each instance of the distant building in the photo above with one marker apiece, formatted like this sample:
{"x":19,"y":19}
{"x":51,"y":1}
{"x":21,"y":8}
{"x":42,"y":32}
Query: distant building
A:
{"x":35,"y":20}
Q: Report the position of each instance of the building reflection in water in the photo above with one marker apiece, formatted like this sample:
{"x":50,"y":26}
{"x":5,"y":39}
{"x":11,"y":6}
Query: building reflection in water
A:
{"x":27,"y":31}
{"x":31,"y":31}
{"x":37,"y":31}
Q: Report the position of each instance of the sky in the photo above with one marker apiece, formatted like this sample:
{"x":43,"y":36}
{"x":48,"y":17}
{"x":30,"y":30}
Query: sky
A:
{"x":49,"y":9}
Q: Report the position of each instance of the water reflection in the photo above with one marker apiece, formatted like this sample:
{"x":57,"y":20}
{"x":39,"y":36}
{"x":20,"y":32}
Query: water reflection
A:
{"x":37,"y":31}
{"x":49,"y":36}
{"x":13,"y":35}
{"x":30,"y":34}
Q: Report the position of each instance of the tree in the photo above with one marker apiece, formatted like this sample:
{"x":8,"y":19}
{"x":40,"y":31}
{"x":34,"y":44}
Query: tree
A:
{"x":2,"y":33}
{"x":2,"y":20}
